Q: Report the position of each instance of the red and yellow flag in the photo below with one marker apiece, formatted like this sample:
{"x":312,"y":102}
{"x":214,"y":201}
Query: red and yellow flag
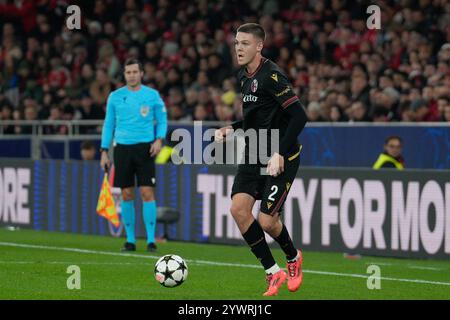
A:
{"x":105,"y":204}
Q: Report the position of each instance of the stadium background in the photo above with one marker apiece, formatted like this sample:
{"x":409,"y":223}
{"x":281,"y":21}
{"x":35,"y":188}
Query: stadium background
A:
{"x":358,"y":87}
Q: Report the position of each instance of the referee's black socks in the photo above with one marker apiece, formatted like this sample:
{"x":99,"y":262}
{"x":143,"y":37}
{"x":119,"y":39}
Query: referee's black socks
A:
{"x":286,"y":244}
{"x":254,"y":236}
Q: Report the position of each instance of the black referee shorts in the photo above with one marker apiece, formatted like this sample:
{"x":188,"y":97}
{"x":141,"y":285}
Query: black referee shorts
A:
{"x":272,"y":191}
{"x":133,"y":162}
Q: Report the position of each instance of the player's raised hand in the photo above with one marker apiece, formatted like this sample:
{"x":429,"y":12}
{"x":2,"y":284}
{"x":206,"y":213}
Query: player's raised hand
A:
{"x":220,"y":134}
{"x":275,"y":166}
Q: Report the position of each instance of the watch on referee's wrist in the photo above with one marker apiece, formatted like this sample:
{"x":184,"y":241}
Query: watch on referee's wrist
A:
{"x":103,"y":150}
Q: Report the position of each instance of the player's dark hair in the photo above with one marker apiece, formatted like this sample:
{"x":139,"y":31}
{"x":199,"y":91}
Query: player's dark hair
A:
{"x":393,"y":138}
{"x":254,"y":29}
{"x":131,"y":61}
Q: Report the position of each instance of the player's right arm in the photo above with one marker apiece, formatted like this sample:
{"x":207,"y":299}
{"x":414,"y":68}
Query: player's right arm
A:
{"x":109,"y":126}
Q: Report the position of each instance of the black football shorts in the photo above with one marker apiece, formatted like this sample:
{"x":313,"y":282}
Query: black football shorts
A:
{"x":272,"y":191}
{"x":133,"y":162}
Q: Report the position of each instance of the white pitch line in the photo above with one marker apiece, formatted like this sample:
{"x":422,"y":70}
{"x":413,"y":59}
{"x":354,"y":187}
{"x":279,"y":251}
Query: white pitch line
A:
{"x":381,"y":263}
{"x":203,"y":262}
{"x":425,"y":268}
{"x":409,"y":266}
{"x":72,"y":262}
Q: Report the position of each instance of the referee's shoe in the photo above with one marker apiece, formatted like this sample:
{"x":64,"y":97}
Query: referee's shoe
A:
{"x":151,"y":247}
{"x":128,"y":246}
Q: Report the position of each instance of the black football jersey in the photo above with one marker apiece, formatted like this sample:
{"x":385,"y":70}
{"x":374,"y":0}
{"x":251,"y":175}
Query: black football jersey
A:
{"x":265,"y":93}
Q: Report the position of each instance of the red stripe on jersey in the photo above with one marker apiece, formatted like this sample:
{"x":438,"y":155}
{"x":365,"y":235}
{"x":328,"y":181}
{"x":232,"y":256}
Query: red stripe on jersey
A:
{"x":288,"y":102}
{"x":275,"y":210}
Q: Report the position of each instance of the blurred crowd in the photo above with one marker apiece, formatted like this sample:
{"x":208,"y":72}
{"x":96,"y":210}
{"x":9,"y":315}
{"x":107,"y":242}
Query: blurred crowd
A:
{"x":341,"y":70}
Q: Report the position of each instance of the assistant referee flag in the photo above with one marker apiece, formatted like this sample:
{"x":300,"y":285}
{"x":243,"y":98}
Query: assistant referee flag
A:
{"x":105,"y":204}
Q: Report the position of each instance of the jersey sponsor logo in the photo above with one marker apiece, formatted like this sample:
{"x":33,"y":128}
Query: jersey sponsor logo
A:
{"x":254,"y":85}
{"x":279,"y":94}
{"x":250,"y":98}
{"x":269,"y":205}
{"x":288,"y":186}
{"x":145,"y":110}
{"x":274,"y":76}
{"x":153,"y":180}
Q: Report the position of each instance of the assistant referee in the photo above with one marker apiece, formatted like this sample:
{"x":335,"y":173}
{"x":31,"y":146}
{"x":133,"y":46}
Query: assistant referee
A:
{"x":136,"y":119}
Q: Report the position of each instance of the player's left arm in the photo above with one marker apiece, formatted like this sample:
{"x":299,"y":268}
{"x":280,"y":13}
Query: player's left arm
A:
{"x":297,"y":121}
{"x":160,"y":115}
{"x":281,"y":91}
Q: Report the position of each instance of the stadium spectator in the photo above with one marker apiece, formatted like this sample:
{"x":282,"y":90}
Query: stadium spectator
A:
{"x":30,"y":114}
{"x":7,"y":114}
{"x":100,"y":88}
{"x":88,"y":150}
{"x":185,"y":45}
{"x":357,"y":112}
{"x":56,"y":114}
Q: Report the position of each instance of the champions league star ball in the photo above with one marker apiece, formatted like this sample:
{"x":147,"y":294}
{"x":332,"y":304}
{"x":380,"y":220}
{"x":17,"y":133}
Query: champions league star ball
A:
{"x":171,"y":270}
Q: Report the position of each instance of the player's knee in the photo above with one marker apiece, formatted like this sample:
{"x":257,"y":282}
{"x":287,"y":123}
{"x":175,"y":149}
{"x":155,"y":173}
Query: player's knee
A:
{"x":235,"y":210}
{"x":266,"y":224}
{"x":238,"y":211}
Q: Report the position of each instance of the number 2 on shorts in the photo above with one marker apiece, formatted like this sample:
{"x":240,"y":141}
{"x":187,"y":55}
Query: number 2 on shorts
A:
{"x":274,"y":190}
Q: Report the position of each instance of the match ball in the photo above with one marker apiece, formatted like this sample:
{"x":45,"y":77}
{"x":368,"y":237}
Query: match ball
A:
{"x":171,"y":270}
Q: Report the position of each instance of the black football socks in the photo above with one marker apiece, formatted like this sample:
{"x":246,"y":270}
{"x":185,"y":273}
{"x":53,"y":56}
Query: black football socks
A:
{"x":254,"y":236}
{"x":286,"y":244}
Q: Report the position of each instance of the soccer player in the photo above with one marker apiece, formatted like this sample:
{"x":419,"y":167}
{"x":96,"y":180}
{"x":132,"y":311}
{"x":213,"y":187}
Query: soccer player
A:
{"x":130,"y":115}
{"x":268,"y":103}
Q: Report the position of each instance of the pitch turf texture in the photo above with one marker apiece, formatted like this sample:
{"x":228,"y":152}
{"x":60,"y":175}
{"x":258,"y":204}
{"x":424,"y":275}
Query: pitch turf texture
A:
{"x":33,"y":265}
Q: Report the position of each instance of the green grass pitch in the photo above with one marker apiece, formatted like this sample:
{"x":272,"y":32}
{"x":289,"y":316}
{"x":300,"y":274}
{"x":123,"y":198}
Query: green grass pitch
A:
{"x":33,"y":265}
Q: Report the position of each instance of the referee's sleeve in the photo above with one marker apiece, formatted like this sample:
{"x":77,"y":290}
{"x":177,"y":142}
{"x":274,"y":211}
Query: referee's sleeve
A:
{"x":161,"y":117}
{"x":109,"y":124}
{"x":280,"y":89}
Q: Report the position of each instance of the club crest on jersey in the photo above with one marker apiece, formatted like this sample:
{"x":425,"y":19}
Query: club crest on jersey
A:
{"x":254,"y":85}
{"x":144,"y":110}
